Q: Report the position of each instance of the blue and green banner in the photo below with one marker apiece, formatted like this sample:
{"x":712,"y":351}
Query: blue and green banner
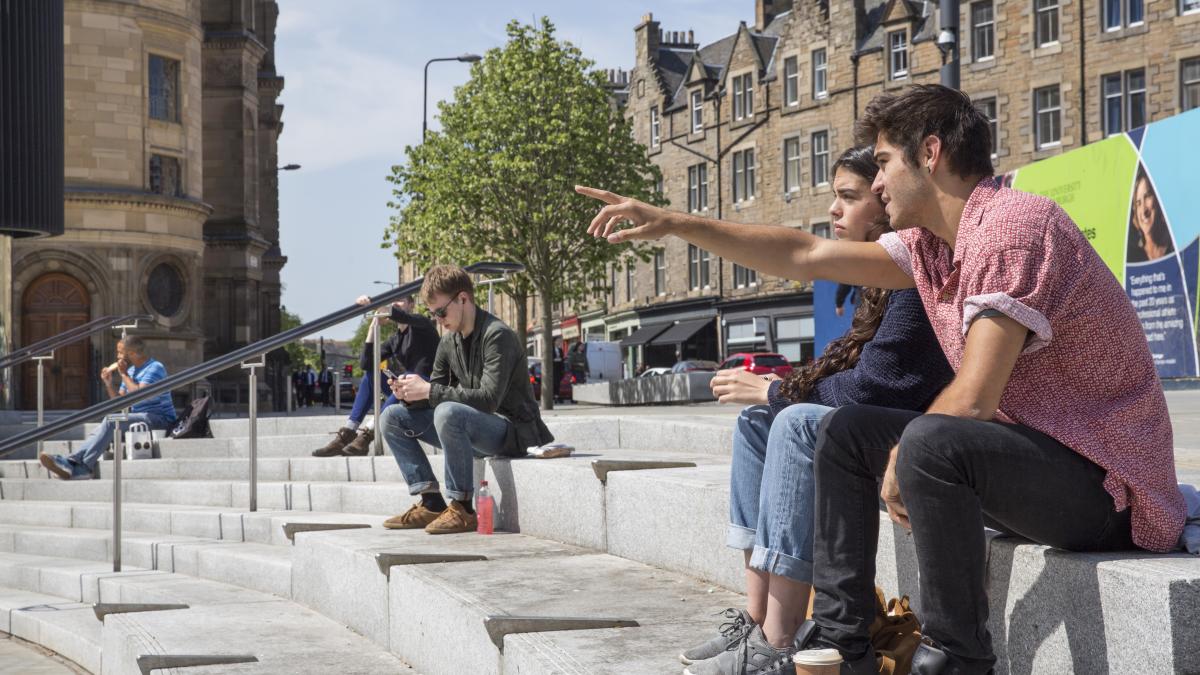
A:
{"x":1139,"y":206}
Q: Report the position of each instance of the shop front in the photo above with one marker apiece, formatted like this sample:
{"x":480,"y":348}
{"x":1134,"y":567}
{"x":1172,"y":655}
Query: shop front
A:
{"x":781,"y":323}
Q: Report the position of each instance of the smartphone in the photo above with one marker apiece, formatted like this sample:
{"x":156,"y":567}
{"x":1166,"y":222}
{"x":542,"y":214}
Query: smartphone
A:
{"x":390,"y":374}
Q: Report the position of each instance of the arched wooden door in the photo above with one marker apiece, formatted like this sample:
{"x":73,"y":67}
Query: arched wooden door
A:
{"x":52,"y":304}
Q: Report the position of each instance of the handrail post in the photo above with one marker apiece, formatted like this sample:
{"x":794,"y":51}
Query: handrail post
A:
{"x":253,"y":422}
{"x":291,"y":393}
{"x":337,"y":391}
{"x":377,"y":444}
{"x":118,"y":451}
{"x":41,"y":393}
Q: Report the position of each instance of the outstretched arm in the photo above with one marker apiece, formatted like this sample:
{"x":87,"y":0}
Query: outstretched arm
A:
{"x":780,"y":251}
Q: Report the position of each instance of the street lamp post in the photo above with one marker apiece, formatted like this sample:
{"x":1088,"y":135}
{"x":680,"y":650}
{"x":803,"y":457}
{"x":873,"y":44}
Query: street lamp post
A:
{"x":465,"y":58}
{"x":947,"y":42}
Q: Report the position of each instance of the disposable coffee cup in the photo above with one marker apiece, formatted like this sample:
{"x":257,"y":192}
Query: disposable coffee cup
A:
{"x":818,"y":662}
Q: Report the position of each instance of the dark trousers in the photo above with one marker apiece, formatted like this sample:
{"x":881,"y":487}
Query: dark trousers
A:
{"x":956,"y":475}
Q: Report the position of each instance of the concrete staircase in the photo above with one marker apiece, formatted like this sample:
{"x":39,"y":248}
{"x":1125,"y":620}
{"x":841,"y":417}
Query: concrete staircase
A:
{"x":596,"y":536}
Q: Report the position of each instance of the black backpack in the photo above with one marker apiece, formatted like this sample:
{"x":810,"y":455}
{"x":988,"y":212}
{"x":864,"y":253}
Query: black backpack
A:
{"x":194,"y":423}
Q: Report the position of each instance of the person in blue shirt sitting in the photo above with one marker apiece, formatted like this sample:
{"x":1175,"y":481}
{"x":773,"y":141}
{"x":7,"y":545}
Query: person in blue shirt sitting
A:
{"x":137,"y":370}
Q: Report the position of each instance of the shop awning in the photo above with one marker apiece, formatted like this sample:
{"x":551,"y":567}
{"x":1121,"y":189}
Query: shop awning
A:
{"x":681,"y":332}
{"x":644,"y":334}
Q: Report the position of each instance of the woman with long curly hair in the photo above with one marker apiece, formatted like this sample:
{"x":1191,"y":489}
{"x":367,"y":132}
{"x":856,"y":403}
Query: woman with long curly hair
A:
{"x":890,"y":358}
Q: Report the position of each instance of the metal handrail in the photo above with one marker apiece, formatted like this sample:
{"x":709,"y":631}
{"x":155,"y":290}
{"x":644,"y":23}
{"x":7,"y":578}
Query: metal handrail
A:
{"x":234,"y":358}
{"x":19,"y":356}
{"x":198,"y":372}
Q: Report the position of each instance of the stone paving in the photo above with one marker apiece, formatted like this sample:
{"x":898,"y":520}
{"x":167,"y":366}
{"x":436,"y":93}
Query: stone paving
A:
{"x":17,"y":658}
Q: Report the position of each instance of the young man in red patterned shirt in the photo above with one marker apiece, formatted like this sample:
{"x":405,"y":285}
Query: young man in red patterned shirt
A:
{"x":1055,"y":427}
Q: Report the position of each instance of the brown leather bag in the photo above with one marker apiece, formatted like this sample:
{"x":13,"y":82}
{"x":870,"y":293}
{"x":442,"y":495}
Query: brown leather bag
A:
{"x":895,"y":634}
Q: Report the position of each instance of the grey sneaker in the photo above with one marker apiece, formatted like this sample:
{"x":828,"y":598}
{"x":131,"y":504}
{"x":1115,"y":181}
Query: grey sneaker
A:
{"x":752,"y":656}
{"x":734,"y":630}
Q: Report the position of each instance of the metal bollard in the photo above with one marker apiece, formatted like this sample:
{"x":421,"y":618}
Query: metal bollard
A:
{"x":253,"y":423}
{"x":118,"y":451}
{"x":337,"y":391}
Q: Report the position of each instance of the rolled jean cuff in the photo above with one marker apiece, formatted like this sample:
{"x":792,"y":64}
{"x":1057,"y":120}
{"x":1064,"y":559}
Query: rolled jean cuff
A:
{"x":741,"y":538}
{"x":781,"y":565}
{"x":418,"y":488}
{"x":458,"y":495}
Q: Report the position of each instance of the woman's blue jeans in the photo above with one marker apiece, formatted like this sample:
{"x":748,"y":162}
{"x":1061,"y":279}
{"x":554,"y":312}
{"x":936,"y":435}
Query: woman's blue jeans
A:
{"x":771,"y":488}
{"x":363,"y":403}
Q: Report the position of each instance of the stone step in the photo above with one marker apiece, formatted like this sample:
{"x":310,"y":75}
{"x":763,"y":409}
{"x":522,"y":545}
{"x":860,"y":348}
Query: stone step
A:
{"x":381,"y":498}
{"x":341,"y":574}
{"x":707,"y":434}
{"x":264,"y":527}
{"x":260,"y":567}
{"x":438,"y":615}
{"x":221,"y":620}
{"x":69,"y":629}
{"x":676,"y":519}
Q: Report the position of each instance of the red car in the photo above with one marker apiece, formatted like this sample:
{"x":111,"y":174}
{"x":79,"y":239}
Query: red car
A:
{"x":759,"y":363}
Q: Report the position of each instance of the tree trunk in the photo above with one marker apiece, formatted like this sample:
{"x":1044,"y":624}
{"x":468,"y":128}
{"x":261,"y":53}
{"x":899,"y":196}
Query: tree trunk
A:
{"x":549,"y":386}
{"x":521,"y":300}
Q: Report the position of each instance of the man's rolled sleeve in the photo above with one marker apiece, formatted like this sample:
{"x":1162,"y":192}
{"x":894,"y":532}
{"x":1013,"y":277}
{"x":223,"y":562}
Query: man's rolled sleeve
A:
{"x":894,"y":244}
{"x":1016,"y":283}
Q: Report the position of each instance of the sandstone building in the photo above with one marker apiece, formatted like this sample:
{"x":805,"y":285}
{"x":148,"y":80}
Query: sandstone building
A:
{"x":746,"y":127}
{"x":171,"y":202}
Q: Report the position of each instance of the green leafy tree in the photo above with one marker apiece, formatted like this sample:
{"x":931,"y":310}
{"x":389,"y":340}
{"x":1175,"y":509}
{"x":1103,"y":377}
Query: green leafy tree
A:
{"x":497,"y":182}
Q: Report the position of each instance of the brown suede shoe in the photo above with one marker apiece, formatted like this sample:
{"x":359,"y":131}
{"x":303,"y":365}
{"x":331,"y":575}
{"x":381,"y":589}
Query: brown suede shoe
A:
{"x":334,"y":449}
{"x":415,"y":518}
{"x":453,"y":520}
{"x":53,"y":467}
{"x":361,"y":445}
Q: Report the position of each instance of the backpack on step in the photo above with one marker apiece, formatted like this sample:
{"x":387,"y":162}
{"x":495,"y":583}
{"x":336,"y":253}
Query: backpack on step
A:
{"x":194,"y":423}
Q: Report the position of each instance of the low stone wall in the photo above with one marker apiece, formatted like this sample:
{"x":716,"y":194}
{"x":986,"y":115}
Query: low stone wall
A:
{"x":677,"y":388}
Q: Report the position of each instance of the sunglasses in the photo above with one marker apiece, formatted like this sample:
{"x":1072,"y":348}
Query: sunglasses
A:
{"x":440,"y":312}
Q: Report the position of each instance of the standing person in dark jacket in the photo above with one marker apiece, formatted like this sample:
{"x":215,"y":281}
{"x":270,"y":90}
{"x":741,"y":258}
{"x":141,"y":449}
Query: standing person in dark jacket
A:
{"x":409,"y":350}
{"x":844,"y":292}
{"x":889,"y":357}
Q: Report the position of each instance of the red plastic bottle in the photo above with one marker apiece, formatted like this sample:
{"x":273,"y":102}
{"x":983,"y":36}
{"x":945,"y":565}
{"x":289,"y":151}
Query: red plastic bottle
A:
{"x":485,"y":508}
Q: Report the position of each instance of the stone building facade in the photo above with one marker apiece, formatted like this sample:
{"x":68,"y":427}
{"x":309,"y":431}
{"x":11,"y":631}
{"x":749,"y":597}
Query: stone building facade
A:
{"x":745,"y":128}
{"x":170,"y":133}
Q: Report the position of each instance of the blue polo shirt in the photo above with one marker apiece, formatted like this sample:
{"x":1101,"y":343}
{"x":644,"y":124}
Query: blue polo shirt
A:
{"x":151,"y":371}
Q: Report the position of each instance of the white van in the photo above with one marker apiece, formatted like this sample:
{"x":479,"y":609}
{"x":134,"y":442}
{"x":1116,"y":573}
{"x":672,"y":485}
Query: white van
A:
{"x":604,"y":361}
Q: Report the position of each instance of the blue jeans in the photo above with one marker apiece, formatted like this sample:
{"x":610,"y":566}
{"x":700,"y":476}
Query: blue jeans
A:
{"x":771,"y":488}
{"x":363,"y":402}
{"x":462,"y":433}
{"x":83,"y":461}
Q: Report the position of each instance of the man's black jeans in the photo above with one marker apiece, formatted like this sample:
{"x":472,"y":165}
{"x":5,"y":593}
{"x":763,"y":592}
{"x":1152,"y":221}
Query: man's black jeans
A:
{"x":956,"y":475}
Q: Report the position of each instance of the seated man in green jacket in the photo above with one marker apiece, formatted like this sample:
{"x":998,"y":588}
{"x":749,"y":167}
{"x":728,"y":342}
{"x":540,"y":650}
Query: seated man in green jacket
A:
{"x":477,"y":402}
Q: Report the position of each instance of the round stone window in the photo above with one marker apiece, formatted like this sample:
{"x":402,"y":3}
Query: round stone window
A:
{"x":165,"y":290}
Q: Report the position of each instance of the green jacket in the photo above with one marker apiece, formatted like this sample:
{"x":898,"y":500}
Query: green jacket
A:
{"x":497,"y":381}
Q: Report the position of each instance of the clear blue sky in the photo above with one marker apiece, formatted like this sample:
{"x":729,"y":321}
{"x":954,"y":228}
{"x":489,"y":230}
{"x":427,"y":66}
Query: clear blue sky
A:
{"x":352,"y":100}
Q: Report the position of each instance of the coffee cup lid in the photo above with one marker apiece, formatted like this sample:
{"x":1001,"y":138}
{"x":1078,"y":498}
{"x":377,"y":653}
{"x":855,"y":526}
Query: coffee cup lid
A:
{"x":818,"y":657}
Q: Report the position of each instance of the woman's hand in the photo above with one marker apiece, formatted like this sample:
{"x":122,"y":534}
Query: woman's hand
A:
{"x":649,"y":222}
{"x":363,"y":300}
{"x":738,"y":385}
